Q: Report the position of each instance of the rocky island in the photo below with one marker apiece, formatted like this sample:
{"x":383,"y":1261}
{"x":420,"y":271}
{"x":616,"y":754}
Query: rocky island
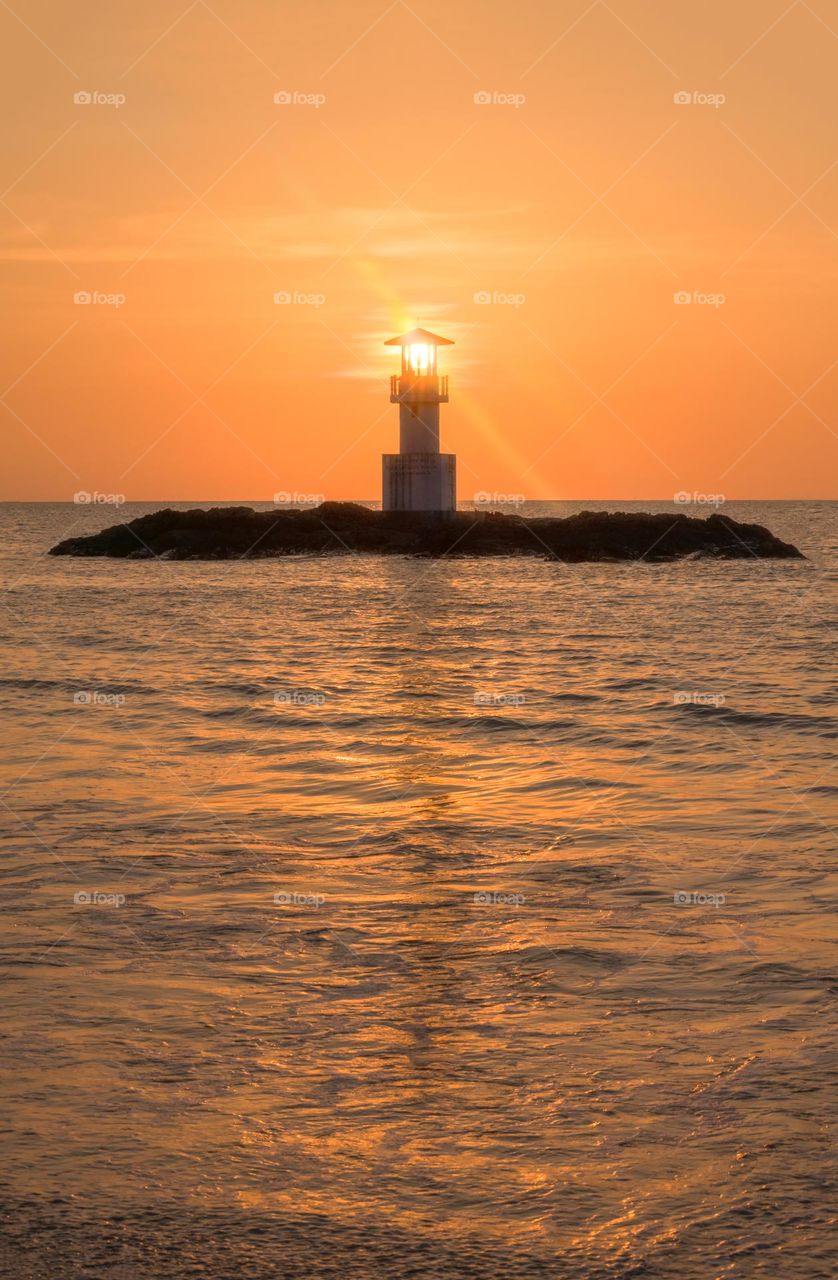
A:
{"x":230,"y":533}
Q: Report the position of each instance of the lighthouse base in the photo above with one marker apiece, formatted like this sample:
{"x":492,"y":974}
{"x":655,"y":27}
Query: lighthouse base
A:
{"x":419,"y":482}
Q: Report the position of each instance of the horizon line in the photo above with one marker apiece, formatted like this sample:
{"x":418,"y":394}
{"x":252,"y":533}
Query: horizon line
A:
{"x":70,"y":502}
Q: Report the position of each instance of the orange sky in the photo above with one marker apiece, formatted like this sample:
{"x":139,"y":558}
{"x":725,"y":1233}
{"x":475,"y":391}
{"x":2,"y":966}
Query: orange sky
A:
{"x":388,"y":195}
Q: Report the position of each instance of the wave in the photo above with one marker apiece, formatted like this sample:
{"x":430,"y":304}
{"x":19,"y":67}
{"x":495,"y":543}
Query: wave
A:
{"x":823,"y":726}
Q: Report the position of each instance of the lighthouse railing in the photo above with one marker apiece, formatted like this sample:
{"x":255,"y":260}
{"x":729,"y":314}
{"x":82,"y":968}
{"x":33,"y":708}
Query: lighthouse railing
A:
{"x":428,"y":387}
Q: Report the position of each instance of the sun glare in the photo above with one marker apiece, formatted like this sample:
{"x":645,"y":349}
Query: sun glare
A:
{"x":420,"y":357}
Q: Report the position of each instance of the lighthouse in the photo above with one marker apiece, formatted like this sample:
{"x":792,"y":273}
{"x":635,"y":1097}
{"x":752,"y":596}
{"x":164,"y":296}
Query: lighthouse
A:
{"x":419,"y":477}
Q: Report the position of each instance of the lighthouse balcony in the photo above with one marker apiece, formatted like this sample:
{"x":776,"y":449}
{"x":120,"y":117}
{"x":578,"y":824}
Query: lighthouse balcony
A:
{"x":419,"y":389}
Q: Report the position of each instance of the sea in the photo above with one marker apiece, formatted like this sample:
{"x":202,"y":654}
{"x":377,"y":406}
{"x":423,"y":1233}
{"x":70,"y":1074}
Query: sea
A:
{"x":398,"y":918}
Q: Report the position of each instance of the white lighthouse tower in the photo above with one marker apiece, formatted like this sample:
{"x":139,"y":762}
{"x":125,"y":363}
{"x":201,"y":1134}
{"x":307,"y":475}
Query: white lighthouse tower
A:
{"x":419,"y":477}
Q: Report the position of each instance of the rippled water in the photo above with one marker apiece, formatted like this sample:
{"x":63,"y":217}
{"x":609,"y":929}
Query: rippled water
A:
{"x":385,"y":967}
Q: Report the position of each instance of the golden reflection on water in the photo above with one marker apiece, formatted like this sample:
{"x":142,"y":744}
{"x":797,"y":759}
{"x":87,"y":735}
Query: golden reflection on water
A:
{"x":498,"y":1022}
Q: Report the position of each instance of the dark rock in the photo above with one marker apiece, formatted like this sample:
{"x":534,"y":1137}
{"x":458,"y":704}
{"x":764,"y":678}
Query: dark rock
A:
{"x":229,"y":533}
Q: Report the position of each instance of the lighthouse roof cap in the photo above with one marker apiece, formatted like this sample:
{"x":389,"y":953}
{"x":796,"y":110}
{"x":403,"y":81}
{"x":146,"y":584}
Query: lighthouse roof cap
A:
{"x":419,"y":336}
